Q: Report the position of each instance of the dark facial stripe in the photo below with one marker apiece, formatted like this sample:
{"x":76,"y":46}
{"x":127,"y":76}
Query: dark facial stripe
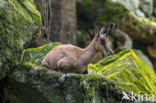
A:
{"x":106,"y":48}
{"x":103,"y":43}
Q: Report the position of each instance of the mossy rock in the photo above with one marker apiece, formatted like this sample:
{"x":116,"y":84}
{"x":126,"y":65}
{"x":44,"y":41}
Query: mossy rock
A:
{"x":36,"y":55}
{"x":102,"y":12}
{"x":128,"y":72}
{"x":29,"y":85}
{"x":124,"y":70}
{"x":144,"y":58}
{"x":142,"y":29}
{"x":19,"y":24}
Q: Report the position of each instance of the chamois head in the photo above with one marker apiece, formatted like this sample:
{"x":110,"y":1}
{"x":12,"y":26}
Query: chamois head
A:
{"x":102,"y":39}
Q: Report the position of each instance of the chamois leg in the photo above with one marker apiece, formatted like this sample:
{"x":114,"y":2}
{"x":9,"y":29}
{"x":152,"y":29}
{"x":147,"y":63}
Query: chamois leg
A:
{"x":65,"y":66}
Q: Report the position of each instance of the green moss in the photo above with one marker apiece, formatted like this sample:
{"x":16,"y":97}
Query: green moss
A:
{"x":128,"y":72}
{"x":58,"y":87}
{"x":144,"y":21}
{"x":90,"y":83}
{"x":19,"y":24}
{"x":139,"y":28}
{"x":125,"y":69}
{"x":36,"y":55}
{"x":34,"y":14}
{"x":29,"y":64}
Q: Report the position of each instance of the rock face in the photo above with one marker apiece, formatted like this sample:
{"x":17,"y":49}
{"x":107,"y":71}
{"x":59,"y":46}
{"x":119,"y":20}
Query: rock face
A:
{"x":19,"y":24}
{"x":139,"y":28}
{"x":25,"y":81}
{"x":36,"y":55}
{"x":131,"y":5}
{"x":144,"y":58}
{"x":142,"y":29}
{"x":30,"y":83}
{"x":123,"y":69}
{"x":128,"y":72}
{"x":139,"y":7}
{"x":147,"y":6}
{"x":37,"y":86}
{"x":154,"y":9}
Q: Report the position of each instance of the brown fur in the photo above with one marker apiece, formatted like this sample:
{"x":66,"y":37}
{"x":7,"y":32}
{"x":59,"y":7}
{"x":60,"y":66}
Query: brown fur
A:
{"x":70,"y":58}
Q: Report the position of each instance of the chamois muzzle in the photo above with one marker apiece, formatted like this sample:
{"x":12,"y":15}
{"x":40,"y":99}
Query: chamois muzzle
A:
{"x":108,"y":52}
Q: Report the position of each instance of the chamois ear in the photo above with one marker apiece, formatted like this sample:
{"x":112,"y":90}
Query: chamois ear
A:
{"x":110,"y":28}
{"x":107,"y":29}
{"x":96,"y":30}
{"x":102,"y":30}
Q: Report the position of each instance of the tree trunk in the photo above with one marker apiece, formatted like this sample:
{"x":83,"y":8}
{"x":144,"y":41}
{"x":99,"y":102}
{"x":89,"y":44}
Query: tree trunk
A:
{"x":58,"y":20}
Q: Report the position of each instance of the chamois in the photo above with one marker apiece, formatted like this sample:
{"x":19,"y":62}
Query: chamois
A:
{"x":68,"y":58}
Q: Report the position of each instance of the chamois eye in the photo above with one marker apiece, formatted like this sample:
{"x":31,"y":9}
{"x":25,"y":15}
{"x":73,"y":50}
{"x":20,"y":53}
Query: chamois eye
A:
{"x":102,"y":39}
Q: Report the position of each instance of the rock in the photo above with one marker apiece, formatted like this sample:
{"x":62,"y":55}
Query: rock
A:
{"x":139,"y":7}
{"x":36,"y":55}
{"x":122,"y":40}
{"x":146,"y":6}
{"x":29,"y":85}
{"x":39,"y":85}
{"x":140,"y":13}
{"x":92,"y":13}
{"x":144,"y":58}
{"x":142,"y":29}
{"x":154,"y":8}
{"x":131,"y":5}
{"x":128,"y":72}
{"x":154,"y":64}
{"x":19,"y":24}
{"x":152,"y":50}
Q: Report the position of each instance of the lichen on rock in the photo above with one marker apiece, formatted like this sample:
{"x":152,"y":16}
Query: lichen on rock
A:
{"x":103,"y":12}
{"x":124,"y":70}
{"x":138,"y":28}
{"x":19,"y":24}
{"x":36,"y":55}
{"x":144,"y":58}
{"x":28,"y":82}
{"x":57,"y":88}
{"x":113,"y":75}
{"x":128,"y":72}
